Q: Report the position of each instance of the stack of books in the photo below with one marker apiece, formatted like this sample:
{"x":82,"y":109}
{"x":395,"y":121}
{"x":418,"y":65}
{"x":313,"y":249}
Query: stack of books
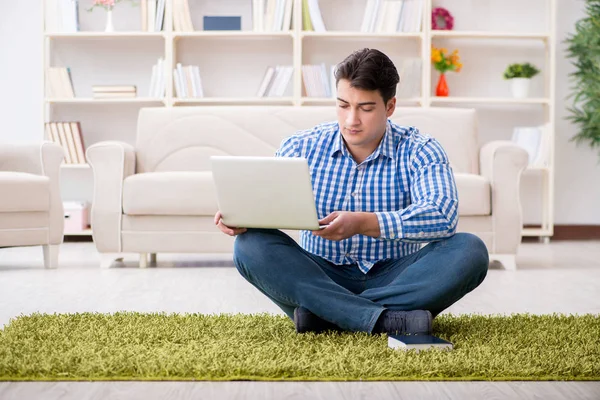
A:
{"x":68,"y":136}
{"x":272,"y":15}
{"x":62,"y":16}
{"x":182,"y":19}
{"x":275,"y":81}
{"x":114,"y":91}
{"x":393,"y":16}
{"x":153,"y":15}
{"x":312,"y":20}
{"x":157,"y":81}
{"x":410,"y":78}
{"x":536,"y":141}
{"x":59,"y":83}
{"x":318,"y":81}
{"x":187,"y":81}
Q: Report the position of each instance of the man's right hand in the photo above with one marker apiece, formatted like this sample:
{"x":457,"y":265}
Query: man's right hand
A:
{"x":226,"y":229}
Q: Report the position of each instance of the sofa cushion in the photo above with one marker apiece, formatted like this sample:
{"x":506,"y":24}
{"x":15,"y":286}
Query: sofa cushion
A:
{"x":193,"y":193}
{"x":170,"y":193}
{"x":23,"y":192}
{"x":474,"y":194}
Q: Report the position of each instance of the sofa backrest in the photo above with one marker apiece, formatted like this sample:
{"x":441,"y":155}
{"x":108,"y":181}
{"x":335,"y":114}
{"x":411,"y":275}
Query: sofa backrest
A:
{"x":183,"y":138}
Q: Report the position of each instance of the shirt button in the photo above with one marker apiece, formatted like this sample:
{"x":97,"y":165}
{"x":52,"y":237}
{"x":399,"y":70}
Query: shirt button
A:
{"x":354,"y":194}
{"x":392,"y":236}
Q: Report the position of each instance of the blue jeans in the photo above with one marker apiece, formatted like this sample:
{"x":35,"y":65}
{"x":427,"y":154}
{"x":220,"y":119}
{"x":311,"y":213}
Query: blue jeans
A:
{"x":433,"y":278}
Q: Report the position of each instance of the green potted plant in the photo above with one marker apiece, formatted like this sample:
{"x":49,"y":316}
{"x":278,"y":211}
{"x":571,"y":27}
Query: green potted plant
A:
{"x":520,"y":76}
{"x":584,"y":53}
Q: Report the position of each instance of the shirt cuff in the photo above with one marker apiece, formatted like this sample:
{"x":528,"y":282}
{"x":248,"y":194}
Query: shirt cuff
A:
{"x":390,"y":225}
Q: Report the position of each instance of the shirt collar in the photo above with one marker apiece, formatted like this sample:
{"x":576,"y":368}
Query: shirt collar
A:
{"x":386,"y":147}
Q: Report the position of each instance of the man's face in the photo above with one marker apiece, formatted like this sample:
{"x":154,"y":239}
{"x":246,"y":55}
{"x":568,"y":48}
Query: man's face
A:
{"x":362,"y":117}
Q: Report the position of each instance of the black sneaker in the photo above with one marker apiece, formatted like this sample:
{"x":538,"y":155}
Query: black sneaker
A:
{"x":416,"y":322}
{"x":306,"y":321}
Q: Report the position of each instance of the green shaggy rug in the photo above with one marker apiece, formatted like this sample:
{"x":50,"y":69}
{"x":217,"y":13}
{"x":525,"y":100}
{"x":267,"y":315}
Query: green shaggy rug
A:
{"x":134,"y":346}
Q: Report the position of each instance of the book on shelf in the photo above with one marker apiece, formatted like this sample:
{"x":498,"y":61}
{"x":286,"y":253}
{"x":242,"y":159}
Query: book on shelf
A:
{"x":410,"y":78}
{"x":319,"y":81}
{"x":158,"y":80}
{"x":113,"y":91}
{"x":153,"y":15}
{"x":316,"y":19}
{"x":389,"y":16}
{"x":69,"y":136}
{"x":222,"y":23}
{"x":182,"y":18}
{"x":536,"y":141}
{"x":187,"y":81}
{"x":114,"y":95}
{"x":311,"y":16}
{"x":275,"y":81}
{"x":59,"y":83}
{"x":418,"y":342}
{"x":113,"y":88}
{"x":61,"y":16}
{"x":272,"y":15}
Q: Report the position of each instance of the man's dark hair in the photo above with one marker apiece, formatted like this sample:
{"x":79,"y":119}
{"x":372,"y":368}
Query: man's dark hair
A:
{"x":369,"y":69}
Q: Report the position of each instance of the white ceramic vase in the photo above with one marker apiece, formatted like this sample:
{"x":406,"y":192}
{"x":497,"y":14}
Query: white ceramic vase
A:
{"x":519,"y":87}
{"x":109,"y":22}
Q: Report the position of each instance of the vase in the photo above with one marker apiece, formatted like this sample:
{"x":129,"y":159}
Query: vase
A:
{"x":109,"y":23}
{"x":519,"y":87}
{"x":442,"y":87}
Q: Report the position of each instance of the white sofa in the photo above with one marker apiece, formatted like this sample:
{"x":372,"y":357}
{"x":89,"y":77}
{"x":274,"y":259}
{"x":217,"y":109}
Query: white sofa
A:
{"x":31,"y":210}
{"x":158,"y":195}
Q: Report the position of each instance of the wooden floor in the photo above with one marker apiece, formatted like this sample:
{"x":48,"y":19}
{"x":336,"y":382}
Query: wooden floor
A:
{"x":561,"y":277}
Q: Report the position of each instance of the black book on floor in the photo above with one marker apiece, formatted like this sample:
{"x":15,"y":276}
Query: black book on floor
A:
{"x":417,"y":342}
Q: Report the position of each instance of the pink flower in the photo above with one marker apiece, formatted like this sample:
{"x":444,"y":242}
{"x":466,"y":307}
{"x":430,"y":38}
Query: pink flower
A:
{"x":105,"y":3}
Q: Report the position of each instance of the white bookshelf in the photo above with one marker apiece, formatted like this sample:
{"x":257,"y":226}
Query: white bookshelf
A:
{"x":487,"y":100}
{"x":88,"y":100}
{"x":232,"y":65}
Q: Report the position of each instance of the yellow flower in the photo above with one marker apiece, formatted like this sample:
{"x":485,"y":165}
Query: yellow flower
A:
{"x":443,"y":61}
{"x":435,"y":55}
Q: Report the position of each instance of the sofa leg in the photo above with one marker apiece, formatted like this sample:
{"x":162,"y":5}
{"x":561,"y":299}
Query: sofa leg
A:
{"x":143,"y":260}
{"x":508,"y":261}
{"x":108,"y":259}
{"x":153,"y":259}
{"x":51,"y":255}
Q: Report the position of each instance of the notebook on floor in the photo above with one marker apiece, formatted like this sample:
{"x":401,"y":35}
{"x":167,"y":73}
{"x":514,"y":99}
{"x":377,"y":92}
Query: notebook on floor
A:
{"x":418,"y":342}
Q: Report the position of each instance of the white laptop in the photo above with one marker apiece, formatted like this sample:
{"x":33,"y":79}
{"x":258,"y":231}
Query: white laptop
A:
{"x":265,"y":192}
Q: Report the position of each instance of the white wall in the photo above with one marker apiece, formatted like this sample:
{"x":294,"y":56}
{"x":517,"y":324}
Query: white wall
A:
{"x":21,"y":76}
{"x":577,"y":168}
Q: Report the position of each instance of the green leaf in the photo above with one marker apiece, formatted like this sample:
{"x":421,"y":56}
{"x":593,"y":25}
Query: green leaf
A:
{"x":583,"y":49}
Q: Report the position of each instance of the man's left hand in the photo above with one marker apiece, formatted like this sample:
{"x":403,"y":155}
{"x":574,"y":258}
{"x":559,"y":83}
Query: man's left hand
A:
{"x":345,"y":224}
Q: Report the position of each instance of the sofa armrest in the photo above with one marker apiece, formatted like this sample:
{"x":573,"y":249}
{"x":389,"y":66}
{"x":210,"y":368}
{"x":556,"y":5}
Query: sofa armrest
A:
{"x":42,"y":158}
{"x":111,"y":163}
{"x":502,"y":163}
{"x":32,"y":158}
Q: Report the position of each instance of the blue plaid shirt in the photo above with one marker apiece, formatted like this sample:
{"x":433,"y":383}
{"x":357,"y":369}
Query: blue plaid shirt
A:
{"x":407,"y":182}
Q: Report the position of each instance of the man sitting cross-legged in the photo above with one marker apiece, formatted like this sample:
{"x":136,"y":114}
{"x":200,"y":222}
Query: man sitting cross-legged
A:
{"x":384,"y":190}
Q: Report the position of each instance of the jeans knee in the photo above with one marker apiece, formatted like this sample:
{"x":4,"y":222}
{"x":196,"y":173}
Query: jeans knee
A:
{"x":251,"y":249}
{"x":477,"y":254}
{"x":245,"y":248}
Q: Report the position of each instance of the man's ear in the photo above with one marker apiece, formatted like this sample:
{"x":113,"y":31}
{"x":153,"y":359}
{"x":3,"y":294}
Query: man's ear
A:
{"x":390,"y":107}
